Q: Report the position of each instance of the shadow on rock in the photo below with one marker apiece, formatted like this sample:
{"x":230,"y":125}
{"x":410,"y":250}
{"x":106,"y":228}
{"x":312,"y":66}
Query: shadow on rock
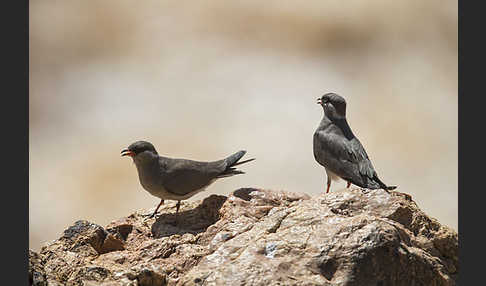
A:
{"x":192,"y":221}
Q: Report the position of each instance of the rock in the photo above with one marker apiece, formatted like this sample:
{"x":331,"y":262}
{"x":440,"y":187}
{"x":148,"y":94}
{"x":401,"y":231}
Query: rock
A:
{"x":259,"y":237}
{"x":36,"y":270}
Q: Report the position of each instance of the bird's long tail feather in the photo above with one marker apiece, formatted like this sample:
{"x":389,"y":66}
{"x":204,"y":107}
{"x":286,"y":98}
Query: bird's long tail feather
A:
{"x":232,"y":161}
{"x":383,"y":186}
{"x":243,"y":162}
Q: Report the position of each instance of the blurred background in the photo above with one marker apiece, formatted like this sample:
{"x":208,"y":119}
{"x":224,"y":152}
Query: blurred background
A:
{"x":203,"y":79}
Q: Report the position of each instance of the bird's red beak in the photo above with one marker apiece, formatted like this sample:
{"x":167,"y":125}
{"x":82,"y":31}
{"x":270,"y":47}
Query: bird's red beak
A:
{"x":127,"y":152}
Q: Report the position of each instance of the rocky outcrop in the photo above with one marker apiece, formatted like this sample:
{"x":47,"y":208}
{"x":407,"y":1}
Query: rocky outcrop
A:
{"x":259,"y":237}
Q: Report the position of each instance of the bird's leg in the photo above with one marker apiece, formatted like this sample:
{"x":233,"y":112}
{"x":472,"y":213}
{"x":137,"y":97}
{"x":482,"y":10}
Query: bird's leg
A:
{"x":156,"y":209}
{"x":328,"y":184}
{"x":349,"y":184}
{"x":178,"y":205}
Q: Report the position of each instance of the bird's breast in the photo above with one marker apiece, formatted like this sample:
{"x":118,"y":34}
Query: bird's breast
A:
{"x":149,"y":177}
{"x":321,"y":153}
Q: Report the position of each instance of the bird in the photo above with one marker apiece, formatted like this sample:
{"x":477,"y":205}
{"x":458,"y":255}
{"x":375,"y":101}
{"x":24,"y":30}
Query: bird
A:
{"x":338,"y":150}
{"x":178,"y":179}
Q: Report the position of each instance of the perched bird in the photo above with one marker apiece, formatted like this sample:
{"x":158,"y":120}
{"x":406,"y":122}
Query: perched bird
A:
{"x":339,"y":151}
{"x":178,"y":179}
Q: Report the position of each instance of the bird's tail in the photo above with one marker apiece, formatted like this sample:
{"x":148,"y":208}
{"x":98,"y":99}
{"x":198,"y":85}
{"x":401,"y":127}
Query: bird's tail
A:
{"x":383,"y":186}
{"x":231,"y":162}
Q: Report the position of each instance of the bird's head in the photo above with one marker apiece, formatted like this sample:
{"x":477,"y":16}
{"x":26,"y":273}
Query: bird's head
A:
{"x":139,"y":150}
{"x":334,"y":105}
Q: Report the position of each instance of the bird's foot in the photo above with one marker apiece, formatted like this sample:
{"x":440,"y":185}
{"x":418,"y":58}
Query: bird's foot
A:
{"x":146,"y":220}
{"x":152,"y":215}
{"x":149,"y":215}
{"x":407,"y":196}
{"x":364,"y":190}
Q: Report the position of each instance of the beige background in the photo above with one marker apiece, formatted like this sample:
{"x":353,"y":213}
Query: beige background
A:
{"x":203,"y":79}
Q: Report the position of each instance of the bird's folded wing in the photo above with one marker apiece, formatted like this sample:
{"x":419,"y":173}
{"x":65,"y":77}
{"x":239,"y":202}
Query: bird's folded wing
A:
{"x":347,"y":156}
{"x":186,"y":176}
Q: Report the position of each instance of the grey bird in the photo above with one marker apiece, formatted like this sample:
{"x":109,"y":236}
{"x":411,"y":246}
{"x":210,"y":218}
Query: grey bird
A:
{"x":339,"y":151}
{"x":178,"y":179}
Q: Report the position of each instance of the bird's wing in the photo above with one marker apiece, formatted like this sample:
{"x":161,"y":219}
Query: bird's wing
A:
{"x":346,"y":158}
{"x":181,"y":176}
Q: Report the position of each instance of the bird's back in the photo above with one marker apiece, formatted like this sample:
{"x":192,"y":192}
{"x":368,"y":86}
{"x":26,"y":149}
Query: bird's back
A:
{"x":183,"y":176}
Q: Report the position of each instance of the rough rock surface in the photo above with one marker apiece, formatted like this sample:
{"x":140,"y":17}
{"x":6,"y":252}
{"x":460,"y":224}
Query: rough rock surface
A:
{"x":259,"y":237}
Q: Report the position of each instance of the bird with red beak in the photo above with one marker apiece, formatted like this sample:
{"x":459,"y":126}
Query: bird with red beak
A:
{"x":178,"y":179}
